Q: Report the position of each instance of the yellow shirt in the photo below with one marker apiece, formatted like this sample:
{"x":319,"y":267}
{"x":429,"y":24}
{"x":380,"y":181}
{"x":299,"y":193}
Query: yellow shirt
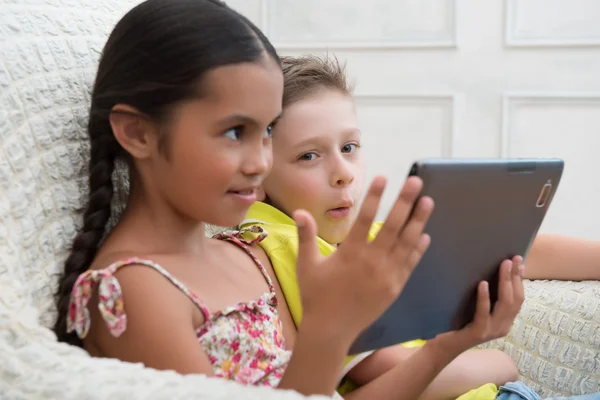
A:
{"x":281,"y":246}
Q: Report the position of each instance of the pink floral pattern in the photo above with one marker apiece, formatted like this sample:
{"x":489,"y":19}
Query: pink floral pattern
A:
{"x":244,"y":342}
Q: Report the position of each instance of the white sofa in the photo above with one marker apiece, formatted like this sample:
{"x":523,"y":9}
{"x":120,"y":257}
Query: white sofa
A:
{"x":48,"y":55}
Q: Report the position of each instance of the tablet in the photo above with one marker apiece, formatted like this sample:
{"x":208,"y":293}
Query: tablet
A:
{"x":486,"y":210}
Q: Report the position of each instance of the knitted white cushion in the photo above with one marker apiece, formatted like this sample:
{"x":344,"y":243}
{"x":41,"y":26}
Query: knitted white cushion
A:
{"x":49,"y":52}
{"x":556,"y":338}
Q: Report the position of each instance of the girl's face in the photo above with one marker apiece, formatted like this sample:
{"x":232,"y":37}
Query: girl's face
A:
{"x":317,"y":164}
{"x":218,"y":148}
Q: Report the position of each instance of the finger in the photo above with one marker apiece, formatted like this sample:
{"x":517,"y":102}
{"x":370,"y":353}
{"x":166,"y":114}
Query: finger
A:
{"x":413,"y":231}
{"x":415,"y":256}
{"x":307,"y":239}
{"x":399,"y":213}
{"x":505,"y":290}
{"x":368,"y":211}
{"x":482,"y":308}
{"x":517,"y":279}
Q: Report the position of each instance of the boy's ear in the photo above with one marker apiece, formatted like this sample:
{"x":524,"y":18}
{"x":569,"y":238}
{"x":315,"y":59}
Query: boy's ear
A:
{"x":134,"y":131}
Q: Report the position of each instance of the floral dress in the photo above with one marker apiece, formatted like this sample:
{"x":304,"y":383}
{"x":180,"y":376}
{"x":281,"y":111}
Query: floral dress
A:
{"x":244,"y":342}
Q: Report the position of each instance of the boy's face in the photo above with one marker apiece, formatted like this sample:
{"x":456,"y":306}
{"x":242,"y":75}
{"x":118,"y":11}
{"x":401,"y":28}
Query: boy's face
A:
{"x":317,"y":163}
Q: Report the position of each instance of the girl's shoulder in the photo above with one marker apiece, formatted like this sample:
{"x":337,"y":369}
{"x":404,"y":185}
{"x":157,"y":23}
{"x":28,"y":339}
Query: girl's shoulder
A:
{"x":123,"y":304}
{"x":139,"y":274}
{"x":127,"y":265}
{"x":250,"y":239}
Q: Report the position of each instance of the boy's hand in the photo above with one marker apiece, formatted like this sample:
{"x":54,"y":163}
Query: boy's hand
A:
{"x":348,"y":290}
{"x":488,"y":326}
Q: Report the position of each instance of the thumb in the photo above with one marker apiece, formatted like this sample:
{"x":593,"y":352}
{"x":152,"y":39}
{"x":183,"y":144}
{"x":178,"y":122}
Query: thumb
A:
{"x":307,"y":239}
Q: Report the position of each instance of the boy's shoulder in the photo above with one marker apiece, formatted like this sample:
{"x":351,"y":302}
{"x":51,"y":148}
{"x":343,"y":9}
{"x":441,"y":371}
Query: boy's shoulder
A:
{"x":283,"y":238}
{"x":280,"y":234}
{"x":285,"y":231}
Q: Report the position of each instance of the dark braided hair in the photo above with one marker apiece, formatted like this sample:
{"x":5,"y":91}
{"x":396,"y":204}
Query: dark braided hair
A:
{"x":154,"y":58}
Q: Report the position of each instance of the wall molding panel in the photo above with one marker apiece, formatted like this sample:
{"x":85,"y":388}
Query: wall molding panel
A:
{"x":443,"y":35}
{"x":451,"y":102}
{"x":552,"y":23}
{"x":512,"y":102}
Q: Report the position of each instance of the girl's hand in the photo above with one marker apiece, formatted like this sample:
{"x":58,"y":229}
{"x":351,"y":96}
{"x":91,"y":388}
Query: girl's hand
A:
{"x":345,"y":292}
{"x":488,"y":325}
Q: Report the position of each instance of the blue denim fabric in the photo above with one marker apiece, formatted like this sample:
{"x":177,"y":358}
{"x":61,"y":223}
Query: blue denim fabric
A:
{"x":520,"y":391}
{"x":516,"y":391}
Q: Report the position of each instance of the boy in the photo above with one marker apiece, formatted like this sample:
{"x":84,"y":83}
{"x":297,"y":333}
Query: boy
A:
{"x":318,"y":166}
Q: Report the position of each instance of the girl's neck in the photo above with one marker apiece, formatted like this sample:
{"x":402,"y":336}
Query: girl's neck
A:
{"x":161,"y":226}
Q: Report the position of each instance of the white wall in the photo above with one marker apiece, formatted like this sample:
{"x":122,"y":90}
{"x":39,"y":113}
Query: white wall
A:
{"x":513,"y":78}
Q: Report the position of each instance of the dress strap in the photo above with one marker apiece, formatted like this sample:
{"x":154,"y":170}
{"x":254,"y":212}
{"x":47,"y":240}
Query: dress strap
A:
{"x":244,"y":238}
{"x":110,"y":297}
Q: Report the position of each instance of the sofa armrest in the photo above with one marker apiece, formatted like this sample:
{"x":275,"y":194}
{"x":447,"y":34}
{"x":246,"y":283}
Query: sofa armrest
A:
{"x":555,"y":340}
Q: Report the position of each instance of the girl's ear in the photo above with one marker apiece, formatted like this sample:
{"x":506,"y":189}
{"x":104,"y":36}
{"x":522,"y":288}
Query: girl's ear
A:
{"x":134,"y":132}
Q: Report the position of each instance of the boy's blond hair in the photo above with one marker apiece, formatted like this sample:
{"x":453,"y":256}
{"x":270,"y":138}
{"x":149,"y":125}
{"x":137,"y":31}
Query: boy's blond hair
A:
{"x":306,"y":75}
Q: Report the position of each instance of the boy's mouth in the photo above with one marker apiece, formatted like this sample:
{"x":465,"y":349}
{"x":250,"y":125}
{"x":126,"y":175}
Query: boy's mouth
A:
{"x":339,"y":213}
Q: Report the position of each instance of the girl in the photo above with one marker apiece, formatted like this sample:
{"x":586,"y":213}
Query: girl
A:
{"x":187,"y":92}
{"x":318,"y":167}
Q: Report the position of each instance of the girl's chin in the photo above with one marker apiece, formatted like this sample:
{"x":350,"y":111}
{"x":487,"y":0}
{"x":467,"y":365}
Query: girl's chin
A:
{"x":227,"y":219}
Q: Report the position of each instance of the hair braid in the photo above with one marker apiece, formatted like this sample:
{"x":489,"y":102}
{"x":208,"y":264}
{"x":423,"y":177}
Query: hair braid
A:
{"x":85,"y":246}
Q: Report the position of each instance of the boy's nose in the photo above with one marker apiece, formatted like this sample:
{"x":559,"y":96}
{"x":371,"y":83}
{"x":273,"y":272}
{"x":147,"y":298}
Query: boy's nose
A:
{"x":343,"y":177}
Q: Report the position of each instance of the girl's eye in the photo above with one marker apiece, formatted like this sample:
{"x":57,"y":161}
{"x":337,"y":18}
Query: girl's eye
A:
{"x":349,"y":148}
{"x":233,"y":133}
{"x":269,"y":131}
{"x":307,"y":157}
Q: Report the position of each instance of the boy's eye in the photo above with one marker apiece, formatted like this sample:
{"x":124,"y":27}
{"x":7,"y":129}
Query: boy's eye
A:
{"x":233,"y":133}
{"x":349,"y":148}
{"x":307,"y":157}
